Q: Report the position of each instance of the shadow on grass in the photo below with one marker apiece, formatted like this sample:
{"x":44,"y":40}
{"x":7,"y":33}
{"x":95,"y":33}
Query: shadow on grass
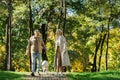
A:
{"x":110,"y":75}
{"x":7,"y":75}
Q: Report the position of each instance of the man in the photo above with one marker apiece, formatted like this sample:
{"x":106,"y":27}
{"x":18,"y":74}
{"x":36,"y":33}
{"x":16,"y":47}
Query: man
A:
{"x":34,"y":47}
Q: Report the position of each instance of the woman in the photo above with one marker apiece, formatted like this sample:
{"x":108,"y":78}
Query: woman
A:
{"x":61,"y":56}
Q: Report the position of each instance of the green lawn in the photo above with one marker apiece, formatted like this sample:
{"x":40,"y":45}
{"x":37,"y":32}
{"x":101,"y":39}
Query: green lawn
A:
{"x":106,"y":75}
{"x":9,"y":75}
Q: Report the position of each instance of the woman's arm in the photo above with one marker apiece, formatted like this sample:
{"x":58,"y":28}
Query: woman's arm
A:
{"x":64,"y":45}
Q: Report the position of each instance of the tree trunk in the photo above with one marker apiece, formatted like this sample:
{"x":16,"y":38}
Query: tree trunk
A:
{"x":30,"y":26}
{"x":7,"y":47}
{"x":101,"y":49}
{"x":8,"y":62}
{"x":30,"y":20}
{"x":64,"y":16}
{"x":106,"y":55}
{"x":61,"y":14}
{"x":94,"y":68}
{"x":107,"y":42}
{"x":44,"y":36}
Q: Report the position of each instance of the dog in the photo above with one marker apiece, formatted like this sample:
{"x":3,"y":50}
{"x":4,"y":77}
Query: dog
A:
{"x":45,"y":66}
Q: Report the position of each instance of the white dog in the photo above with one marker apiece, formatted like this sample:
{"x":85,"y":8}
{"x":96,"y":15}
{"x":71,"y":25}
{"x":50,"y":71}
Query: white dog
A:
{"x":45,"y":66}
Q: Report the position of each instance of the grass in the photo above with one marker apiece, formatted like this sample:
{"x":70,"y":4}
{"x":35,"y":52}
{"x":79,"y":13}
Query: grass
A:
{"x":106,"y":75}
{"x":9,"y":75}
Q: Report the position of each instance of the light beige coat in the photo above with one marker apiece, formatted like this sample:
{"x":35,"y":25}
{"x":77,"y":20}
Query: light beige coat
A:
{"x":61,"y":42}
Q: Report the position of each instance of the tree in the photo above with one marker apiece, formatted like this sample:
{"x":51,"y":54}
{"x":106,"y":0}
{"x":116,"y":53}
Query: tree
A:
{"x":62,"y":17}
{"x":30,"y":19}
{"x":94,"y":68}
{"x":8,"y":61}
{"x":101,"y":50}
{"x":30,"y":25}
{"x":44,"y":36}
{"x":108,"y":33}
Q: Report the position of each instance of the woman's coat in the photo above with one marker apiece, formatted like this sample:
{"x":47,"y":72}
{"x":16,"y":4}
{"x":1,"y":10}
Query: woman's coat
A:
{"x":61,"y":42}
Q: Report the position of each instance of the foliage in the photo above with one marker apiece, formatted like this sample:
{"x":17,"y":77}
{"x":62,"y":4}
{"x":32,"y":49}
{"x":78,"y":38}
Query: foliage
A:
{"x":84,"y":22}
{"x":2,"y":56}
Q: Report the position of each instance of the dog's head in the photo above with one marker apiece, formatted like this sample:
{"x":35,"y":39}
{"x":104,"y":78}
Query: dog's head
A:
{"x":45,"y":63}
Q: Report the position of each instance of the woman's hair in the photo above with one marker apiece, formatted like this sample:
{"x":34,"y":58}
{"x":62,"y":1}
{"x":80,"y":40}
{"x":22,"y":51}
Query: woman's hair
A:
{"x":60,"y":31}
{"x":36,"y":30}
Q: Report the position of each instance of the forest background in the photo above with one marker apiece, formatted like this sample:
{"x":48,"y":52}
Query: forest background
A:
{"x":91,"y":28}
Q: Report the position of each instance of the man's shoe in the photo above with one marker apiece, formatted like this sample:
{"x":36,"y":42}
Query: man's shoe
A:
{"x":32,"y":74}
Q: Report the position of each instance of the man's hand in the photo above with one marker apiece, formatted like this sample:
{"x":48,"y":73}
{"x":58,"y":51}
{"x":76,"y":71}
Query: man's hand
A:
{"x":27,"y":53}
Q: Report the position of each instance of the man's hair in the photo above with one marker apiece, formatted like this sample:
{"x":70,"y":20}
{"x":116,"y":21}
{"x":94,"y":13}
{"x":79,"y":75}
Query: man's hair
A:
{"x":37,"y":32}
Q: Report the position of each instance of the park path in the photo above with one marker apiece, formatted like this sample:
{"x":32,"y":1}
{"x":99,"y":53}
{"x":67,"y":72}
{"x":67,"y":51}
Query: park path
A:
{"x":44,"y":76}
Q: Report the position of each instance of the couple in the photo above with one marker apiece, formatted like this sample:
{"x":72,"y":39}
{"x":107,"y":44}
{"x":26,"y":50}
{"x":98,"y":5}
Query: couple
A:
{"x":36,"y":44}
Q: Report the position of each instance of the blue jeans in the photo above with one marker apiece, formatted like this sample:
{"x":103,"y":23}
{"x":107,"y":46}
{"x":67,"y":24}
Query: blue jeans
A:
{"x":33,"y":59}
